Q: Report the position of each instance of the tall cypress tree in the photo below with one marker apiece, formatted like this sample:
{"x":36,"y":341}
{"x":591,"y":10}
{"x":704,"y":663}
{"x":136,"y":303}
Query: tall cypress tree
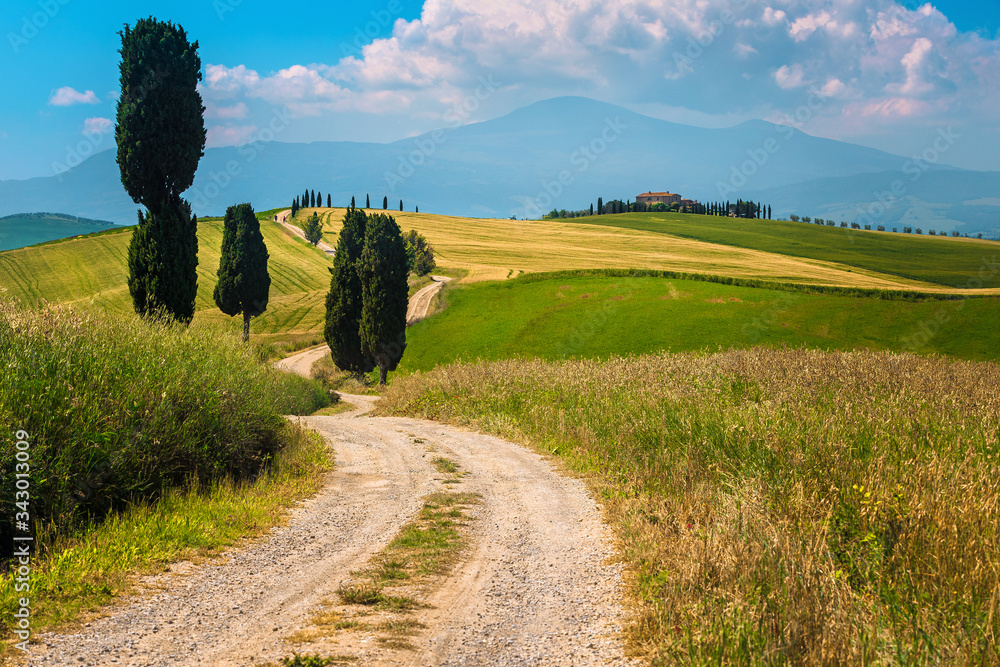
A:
{"x":319,"y":198}
{"x":160,"y":132}
{"x":244,"y":282}
{"x":368,"y":202}
{"x":352,"y":202}
{"x":344,"y":301}
{"x":384,"y":294}
{"x":329,"y":200}
{"x":400,"y":205}
{"x":385,"y":203}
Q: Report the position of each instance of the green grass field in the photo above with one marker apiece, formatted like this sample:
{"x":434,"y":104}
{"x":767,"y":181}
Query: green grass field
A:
{"x":952,"y":262}
{"x":18,"y":231}
{"x":597,"y":317}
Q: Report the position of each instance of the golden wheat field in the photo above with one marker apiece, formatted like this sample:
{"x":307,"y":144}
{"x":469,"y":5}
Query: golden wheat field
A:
{"x":499,"y":249}
{"x":773,"y":506}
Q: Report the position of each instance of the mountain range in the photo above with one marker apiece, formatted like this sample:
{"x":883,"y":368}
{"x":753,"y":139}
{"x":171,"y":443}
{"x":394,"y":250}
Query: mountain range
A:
{"x":562,"y":153}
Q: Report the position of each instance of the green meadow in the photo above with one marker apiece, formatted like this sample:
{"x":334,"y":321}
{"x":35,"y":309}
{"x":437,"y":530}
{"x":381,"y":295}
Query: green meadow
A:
{"x":583,"y":316}
{"x":952,"y":262}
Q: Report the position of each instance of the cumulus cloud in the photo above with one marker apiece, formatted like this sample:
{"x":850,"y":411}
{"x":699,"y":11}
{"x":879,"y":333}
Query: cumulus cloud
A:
{"x":229,"y":135}
{"x":875,"y":60}
{"x":68,"y":96}
{"x":98,"y":126}
{"x":232,"y":112}
{"x":790,"y":77}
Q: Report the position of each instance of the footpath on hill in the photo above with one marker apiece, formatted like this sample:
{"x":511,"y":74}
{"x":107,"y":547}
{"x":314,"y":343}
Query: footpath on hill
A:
{"x":534,"y":585}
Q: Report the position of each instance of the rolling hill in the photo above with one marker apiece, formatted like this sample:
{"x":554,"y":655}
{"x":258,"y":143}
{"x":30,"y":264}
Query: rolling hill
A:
{"x":513,"y":166}
{"x":24,"y":229}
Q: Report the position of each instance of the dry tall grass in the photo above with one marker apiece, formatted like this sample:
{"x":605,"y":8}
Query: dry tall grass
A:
{"x":774,"y":506}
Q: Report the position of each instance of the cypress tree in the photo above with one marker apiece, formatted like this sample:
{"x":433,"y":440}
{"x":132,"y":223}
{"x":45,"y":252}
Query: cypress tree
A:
{"x":244,"y":282}
{"x":312,"y":199}
{"x":769,"y":212}
{"x":418,"y":210}
{"x":160,"y":133}
{"x":385,"y":203}
{"x":400,"y":205}
{"x":368,"y":202}
{"x":592,"y":209}
{"x":329,"y":201}
{"x":352,"y":202}
{"x":344,"y":301}
{"x":600,"y":206}
{"x":384,"y":294}
{"x":319,"y":198}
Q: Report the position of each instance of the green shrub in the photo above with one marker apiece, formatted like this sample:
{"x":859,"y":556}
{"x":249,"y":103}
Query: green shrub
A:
{"x":117,"y":409}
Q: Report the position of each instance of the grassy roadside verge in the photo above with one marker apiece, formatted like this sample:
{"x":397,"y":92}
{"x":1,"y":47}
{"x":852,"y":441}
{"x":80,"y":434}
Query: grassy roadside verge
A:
{"x":141,"y":437}
{"x":773,"y":506}
{"x":80,"y":572}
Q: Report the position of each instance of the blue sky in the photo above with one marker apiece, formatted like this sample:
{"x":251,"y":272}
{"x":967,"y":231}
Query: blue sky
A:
{"x":890,"y":74}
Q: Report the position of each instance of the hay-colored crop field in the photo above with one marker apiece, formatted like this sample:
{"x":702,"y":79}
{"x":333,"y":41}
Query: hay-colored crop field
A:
{"x":93,"y":270}
{"x":500,"y":249}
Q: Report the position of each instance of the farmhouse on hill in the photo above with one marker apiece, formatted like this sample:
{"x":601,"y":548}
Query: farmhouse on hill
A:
{"x":658,"y":198}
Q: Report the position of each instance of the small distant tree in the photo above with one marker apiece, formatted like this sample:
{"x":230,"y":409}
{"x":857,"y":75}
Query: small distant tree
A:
{"x":295,"y":206}
{"x":329,"y":201}
{"x":352,"y":202}
{"x":319,"y":198}
{"x":793,"y":218}
{"x":419,"y":253}
{"x":313,"y":229}
{"x":417,"y":209}
{"x":384,"y":291}
{"x":368,"y":202}
{"x":919,"y":231}
{"x":385,"y":203}
{"x":600,"y":206}
{"x":244,"y":282}
{"x":592,"y":209}
{"x":400,"y":205}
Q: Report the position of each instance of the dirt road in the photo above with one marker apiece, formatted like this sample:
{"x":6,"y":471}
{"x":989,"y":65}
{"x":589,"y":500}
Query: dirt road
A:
{"x":325,"y":247}
{"x":534,"y":587}
{"x":417,"y":309}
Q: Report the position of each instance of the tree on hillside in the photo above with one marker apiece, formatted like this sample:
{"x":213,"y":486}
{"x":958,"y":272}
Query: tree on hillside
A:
{"x":343,"y":303}
{"x":385,"y":203}
{"x":419,"y":253}
{"x":319,"y":199}
{"x":384,"y":292}
{"x":329,"y":200}
{"x":352,"y":202}
{"x":400,"y":205}
{"x":313,"y":229}
{"x":417,"y":210}
{"x":160,"y":132}
{"x":368,"y":202}
{"x":600,"y":206}
{"x":295,"y":206}
{"x":244,"y":282}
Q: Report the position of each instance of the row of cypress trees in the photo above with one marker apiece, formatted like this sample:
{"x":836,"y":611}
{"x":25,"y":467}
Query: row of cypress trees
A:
{"x":366,"y":306}
{"x":160,"y":133}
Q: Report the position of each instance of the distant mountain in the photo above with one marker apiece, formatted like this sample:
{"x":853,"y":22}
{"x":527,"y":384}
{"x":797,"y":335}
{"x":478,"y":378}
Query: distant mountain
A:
{"x":560,"y":153}
{"x":24,"y":229}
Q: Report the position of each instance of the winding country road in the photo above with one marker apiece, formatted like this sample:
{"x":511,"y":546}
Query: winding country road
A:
{"x":535,"y":586}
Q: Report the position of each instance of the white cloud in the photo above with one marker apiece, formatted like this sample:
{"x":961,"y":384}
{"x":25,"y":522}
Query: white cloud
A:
{"x":229,"y":135}
{"x":790,"y":77}
{"x":872,"y":59}
{"x":773,"y":16}
{"x":233,"y":112}
{"x":68,"y":96}
{"x":98,"y":126}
